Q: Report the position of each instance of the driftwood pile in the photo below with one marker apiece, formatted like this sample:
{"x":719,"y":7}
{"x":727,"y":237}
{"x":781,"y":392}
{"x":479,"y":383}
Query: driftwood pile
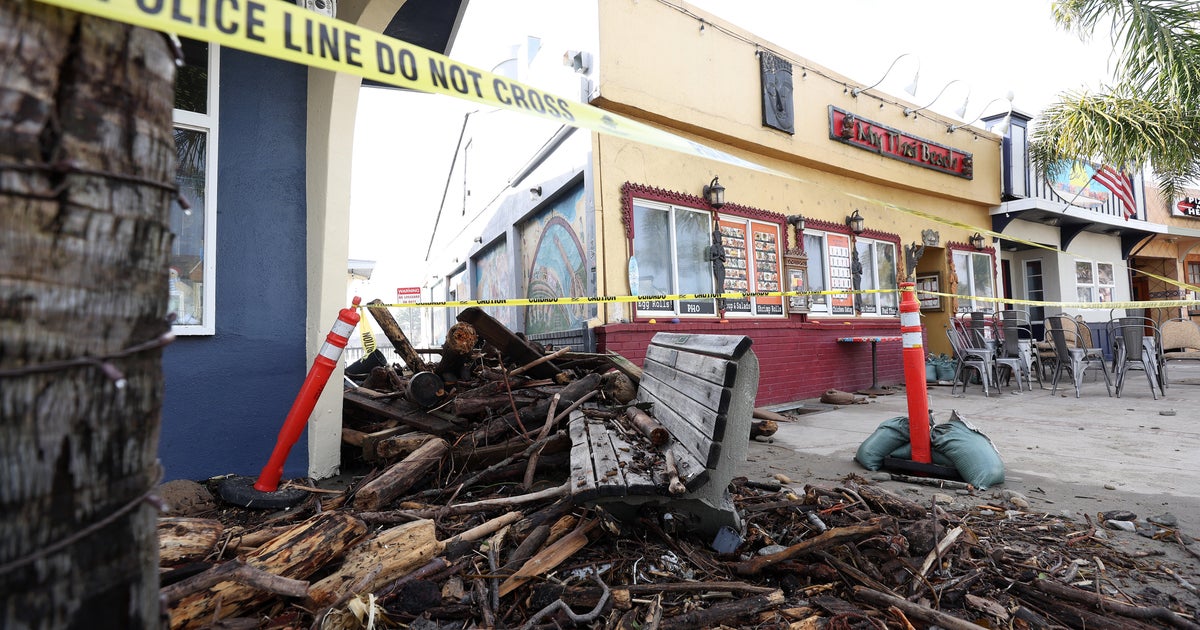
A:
{"x":465,"y":521}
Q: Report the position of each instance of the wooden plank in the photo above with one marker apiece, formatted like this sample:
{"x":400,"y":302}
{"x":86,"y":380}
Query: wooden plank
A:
{"x":637,"y":470}
{"x":402,"y":411}
{"x":701,"y":416}
{"x":724,"y":346}
{"x":707,"y":393}
{"x":583,"y":472}
{"x":692,"y":471}
{"x":514,"y":349}
{"x":720,"y":372}
{"x":610,"y":480}
{"x":678,"y":418}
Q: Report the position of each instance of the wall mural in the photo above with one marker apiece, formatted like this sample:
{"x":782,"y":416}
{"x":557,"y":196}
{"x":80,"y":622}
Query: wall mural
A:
{"x":494,"y":281}
{"x":552,"y":249}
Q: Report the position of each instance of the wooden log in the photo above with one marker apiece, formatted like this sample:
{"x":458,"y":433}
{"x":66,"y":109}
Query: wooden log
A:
{"x":720,"y":614}
{"x":181,"y":539}
{"x":619,"y":387}
{"x":394,"y":334}
{"x":464,"y":405}
{"x":297,"y":554}
{"x":426,"y":389}
{"x":351,"y":437}
{"x":918,"y":611}
{"x":234,"y":571}
{"x":533,"y":415}
{"x":394,"y":552}
{"x":402,"y":411}
{"x":456,"y":349}
{"x":763,"y":428}
{"x":549,"y":557}
{"x":674,"y":485}
{"x":540,"y":360}
{"x":370,"y":444}
{"x":398,"y":478}
{"x":648,"y":426}
{"x":827,"y":539}
{"x":401,"y":445}
{"x":763,"y":414}
{"x":1109,"y":605}
{"x":888,"y":502}
{"x":511,"y":346}
{"x":257,"y":538}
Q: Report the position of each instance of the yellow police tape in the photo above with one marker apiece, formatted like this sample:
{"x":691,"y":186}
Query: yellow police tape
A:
{"x":743,"y":295}
{"x":284,"y":31}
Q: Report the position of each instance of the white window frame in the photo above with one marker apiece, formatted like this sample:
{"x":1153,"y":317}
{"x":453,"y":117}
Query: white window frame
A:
{"x":878,"y":309}
{"x":1036,"y":313}
{"x":206,"y":123}
{"x":1095,"y":286}
{"x":966,"y":282}
{"x":678,"y":309}
{"x":817,"y":303}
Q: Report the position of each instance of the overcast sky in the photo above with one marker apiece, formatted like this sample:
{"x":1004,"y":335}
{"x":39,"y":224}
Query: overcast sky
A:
{"x":404,"y":142}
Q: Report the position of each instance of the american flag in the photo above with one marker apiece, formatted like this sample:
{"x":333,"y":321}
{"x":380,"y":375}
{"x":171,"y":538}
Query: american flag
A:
{"x":1120,"y":185}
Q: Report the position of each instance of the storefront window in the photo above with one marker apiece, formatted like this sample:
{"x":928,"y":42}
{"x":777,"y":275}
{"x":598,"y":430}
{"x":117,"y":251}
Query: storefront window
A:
{"x":818,"y":278}
{"x":975,"y":279}
{"x":671,"y":245}
{"x":192,"y":261}
{"x":878,"y":259}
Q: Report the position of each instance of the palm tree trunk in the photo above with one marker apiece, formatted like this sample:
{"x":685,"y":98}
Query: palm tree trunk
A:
{"x":86,"y":166}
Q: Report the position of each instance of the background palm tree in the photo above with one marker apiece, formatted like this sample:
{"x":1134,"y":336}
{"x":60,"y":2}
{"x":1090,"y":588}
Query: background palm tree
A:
{"x":87,"y":165}
{"x":1149,"y":116}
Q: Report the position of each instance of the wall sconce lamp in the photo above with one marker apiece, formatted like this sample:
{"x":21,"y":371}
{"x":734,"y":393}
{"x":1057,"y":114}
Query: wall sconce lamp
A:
{"x":796,"y":221}
{"x":535,"y":193}
{"x":960,"y":112}
{"x":977,"y":240}
{"x":478,"y":239}
{"x":999,"y":129}
{"x":714,"y":194}
{"x":911,"y":88}
{"x":856,"y":222}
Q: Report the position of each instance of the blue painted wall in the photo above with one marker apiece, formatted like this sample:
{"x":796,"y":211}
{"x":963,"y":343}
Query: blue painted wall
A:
{"x":228,"y":394}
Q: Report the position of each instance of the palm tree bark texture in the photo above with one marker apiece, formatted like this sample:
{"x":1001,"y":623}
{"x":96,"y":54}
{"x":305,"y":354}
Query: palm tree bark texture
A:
{"x":86,"y":178}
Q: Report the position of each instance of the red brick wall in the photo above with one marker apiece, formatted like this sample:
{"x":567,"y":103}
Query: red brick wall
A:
{"x":796,"y":360}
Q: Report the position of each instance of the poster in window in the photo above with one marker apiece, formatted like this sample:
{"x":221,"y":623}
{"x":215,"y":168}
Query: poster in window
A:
{"x":737,"y":267}
{"x":767,"y":269}
{"x":931,"y":282}
{"x":839,"y":274}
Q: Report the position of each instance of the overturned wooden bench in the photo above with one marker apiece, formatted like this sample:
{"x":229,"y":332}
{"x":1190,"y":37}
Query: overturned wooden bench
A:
{"x":701,"y":389}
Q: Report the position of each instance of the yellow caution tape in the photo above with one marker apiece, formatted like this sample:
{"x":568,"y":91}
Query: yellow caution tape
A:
{"x":742,"y":296}
{"x":285,"y":31}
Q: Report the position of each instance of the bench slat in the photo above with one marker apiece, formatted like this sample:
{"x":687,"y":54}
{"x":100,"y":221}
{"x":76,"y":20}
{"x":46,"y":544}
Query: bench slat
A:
{"x":596,"y":457}
{"x":691,"y":424}
{"x":725,"y":346}
{"x":583,"y":472}
{"x":717,"y":371}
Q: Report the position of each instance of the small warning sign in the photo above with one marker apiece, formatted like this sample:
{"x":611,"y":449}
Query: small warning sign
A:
{"x":408,"y":295}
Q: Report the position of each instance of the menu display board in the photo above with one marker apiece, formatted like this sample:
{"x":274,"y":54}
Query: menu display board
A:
{"x":752,"y":264}
{"x":737,"y":266}
{"x":839,"y":274}
{"x":766,"y":268}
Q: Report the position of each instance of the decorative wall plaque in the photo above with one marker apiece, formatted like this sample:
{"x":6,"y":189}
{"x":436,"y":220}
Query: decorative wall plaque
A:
{"x":778,"y":110}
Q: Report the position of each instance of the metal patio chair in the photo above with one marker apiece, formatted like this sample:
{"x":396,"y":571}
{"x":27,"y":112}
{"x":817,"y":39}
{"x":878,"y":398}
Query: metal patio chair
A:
{"x":1071,"y":356}
{"x":1135,"y":347}
{"x":970,"y":358}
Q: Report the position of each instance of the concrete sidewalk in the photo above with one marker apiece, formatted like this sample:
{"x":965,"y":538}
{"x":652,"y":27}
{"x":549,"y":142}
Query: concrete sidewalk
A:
{"x":1094,"y":443}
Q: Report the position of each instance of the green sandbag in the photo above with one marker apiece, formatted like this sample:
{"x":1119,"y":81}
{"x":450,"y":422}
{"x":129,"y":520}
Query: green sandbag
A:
{"x":905,"y":452}
{"x":970,"y":452}
{"x":891,"y":435}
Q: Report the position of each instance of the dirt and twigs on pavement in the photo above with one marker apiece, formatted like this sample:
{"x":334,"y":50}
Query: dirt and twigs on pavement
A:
{"x":463,"y":517}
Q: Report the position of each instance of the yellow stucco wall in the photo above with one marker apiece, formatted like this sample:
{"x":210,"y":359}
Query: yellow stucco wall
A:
{"x":656,"y":65}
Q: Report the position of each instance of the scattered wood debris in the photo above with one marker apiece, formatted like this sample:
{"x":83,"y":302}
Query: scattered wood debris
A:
{"x":466,"y":520}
